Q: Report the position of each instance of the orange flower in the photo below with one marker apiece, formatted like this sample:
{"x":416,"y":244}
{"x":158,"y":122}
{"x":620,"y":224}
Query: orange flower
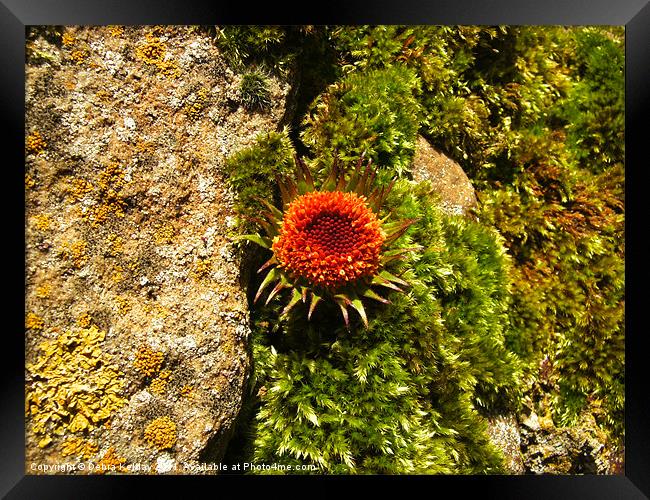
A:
{"x":329,"y":238}
{"x":329,"y":243}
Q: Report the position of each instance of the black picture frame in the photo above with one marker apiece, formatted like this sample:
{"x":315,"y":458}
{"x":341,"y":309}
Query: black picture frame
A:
{"x":15,"y":15}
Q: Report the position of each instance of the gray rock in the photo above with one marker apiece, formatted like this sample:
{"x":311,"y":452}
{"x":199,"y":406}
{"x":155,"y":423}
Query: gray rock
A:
{"x":124,"y":177}
{"x":449,"y":181}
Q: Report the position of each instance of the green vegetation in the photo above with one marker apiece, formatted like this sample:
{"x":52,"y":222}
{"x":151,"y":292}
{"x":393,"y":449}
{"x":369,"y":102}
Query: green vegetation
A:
{"x":254,"y":91}
{"x":375,"y":112}
{"x":528,"y":300}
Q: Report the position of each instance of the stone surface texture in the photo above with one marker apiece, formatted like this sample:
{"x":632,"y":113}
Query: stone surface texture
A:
{"x":449,"y":181}
{"x":135,"y":315}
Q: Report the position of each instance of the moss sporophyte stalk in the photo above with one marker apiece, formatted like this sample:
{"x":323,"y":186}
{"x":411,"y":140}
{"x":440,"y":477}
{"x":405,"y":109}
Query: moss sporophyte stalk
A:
{"x":330,"y":243}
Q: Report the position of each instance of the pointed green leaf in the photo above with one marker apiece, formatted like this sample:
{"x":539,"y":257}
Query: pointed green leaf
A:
{"x":283,"y":283}
{"x":315,"y":299}
{"x":358,"y":306}
{"x":295,"y":298}
{"x":272,"y":276}
{"x":255,"y":238}
{"x":371,"y":294}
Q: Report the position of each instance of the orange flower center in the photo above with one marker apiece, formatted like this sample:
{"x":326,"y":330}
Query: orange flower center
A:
{"x":329,"y":238}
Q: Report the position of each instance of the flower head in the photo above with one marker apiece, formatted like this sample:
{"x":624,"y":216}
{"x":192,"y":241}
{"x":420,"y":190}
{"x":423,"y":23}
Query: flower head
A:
{"x":330,"y":243}
{"x":329,"y":238}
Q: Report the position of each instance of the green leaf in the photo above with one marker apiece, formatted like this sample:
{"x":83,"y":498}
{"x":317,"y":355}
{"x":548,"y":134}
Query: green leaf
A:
{"x":255,"y":238}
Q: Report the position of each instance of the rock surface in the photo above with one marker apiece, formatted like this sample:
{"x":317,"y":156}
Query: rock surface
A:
{"x":503,"y":431}
{"x":136,"y":323}
{"x":449,"y":181}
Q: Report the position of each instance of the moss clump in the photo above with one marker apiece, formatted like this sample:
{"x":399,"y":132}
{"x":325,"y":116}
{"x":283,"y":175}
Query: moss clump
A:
{"x":254,"y":92}
{"x":595,"y":107}
{"x":375,"y":113}
{"x":72,"y":387}
{"x":161,"y":433}
{"x":252,"y":172}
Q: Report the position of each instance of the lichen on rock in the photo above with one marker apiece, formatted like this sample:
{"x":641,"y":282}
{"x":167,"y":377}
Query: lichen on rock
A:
{"x":127,"y":241}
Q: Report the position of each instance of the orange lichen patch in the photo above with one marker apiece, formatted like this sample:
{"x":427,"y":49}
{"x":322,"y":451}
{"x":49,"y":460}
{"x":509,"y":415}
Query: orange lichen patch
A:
{"x":111,"y":462}
{"x":72,"y":386}
{"x":109,"y":202}
{"x":41,"y":222}
{"x":146,"y":147}
{"x":79,"y":56}
{"x":148,"y":361}
{"x":153,"y":52}
{"x":35,"y":144}
{"x":79,"y":447}
{"x":164,"y":233}
{"x":78,"y":189}
{"x":104,"y":95}
{"x":186,"y":391}
{"x":161,"y":433}
{"x":30,"y":182}
{"x":329,"y":238}
{"x":33,"y":322}
{"x":202,"y":268}
{"x":123,"y":305}
{"x":43,"y":291}
{"x":68,"y":39}
{"x":159,"y":384}
{"x":84,"y":321}
{"x":75,"y":253}
{"x":116,"y":30}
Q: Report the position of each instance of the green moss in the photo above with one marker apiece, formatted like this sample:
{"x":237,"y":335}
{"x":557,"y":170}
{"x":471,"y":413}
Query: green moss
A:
{"x":253,"y":170}
{"x":401,"y":395}
{"x":374,"y":112}
{"x":254,"y":91}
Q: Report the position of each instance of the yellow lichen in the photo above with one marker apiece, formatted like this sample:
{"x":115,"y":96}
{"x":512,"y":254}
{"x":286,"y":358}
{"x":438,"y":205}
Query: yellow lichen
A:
{"x":35,"y":144}
{"x":116,"y":30}
{"x":156,"y":310}
{"x":111,"y":462}
{"x":123,"y":305}
{"x":84,"y":321}
{"x":163,"y":233}
{"x":43,"y":291}
{"x":186,"y":391}
{"x":161,"y":433}
{"x":159,"y":384}
{"x":75,"y":253}
{"x":72,"y":386}
{"x":148,"y":361}
{"x":202,"y":268}
{"x":153,"y":52}
{"x":30,"y":182}
{"x":34,"y":322}
{"x":196,"y":104}
{"x":41,"y":222}
{"x":115,"y":245}
{"x":68,"y":39}
{"x":78,"y":447}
